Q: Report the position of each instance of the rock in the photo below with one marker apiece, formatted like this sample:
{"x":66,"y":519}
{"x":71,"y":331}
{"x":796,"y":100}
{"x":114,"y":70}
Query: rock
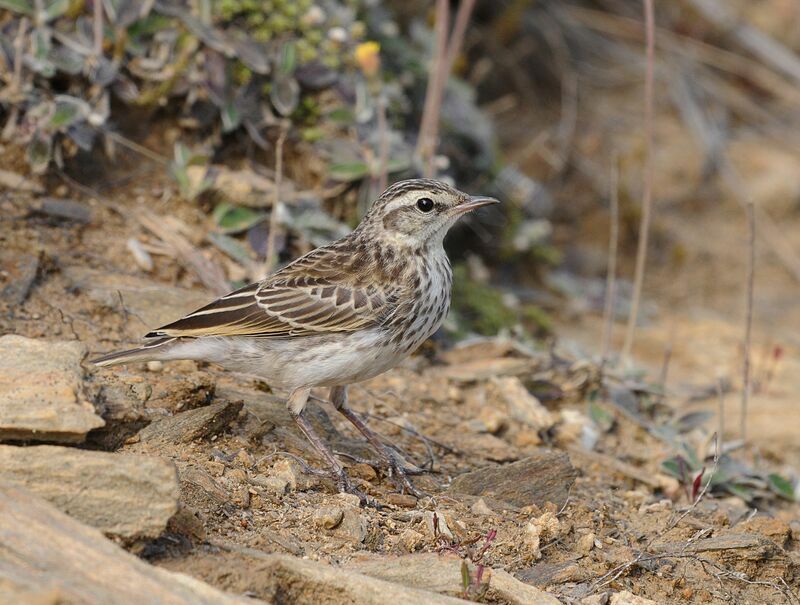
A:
{"x":303,"y":582}
{"x":17,"y":273}
{"x":484,"y":369}
{"x":486,"y":446}
{"x":628,"y":598}
{"x":201,"y":490}
{"x":186,"y":427}
{"x":401,"y":500}
{"x":586,"y":543}
{"x":126,"y":496}
{"x":595,"y":599}
{"x":409,"y":540}
{"x":41,"y":391}
{"x":65,"y":210}
{"x":544,"y":477}
{"x":328,"y":517}
{"x":442,"y":574}
{"x":481,"y":508}
{"x":76,"y":564}
{"x":353,"y":527}
{"x":436,"y":522}
{"x":522,"y":406}
{"x":292,"y":473}
{"x":777,"y":530}
{"x":544,"y":528}
{"x":151,"y":303}
{"x":277,"y":486}
{"x":186,"y":523}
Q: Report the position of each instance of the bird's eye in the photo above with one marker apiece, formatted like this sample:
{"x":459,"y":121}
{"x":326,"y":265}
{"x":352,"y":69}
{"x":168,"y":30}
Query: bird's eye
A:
{"x":425,"y":204}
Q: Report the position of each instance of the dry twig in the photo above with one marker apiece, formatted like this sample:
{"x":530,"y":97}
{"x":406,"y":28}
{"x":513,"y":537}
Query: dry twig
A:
{"x":748,"y":321}
{"x":272,"y":254}
{"x":644,"y":226}
{"x":611,"y":275}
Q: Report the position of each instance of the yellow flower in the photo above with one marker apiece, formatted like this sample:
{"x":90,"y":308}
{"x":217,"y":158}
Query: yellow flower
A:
{"x":368,"y":57}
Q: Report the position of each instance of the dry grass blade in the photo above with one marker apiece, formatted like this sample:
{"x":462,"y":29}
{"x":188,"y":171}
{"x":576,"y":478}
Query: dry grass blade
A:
{"x":430,"y":112}
{"x":611,"y":276}
{"x":207,"y":271}
{"x":748,"y":321}
{"x":644,"y":226}
{"x":272,"y":253}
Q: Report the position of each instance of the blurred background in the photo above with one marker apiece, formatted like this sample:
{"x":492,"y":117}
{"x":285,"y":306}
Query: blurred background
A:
{"x":209,"y":141}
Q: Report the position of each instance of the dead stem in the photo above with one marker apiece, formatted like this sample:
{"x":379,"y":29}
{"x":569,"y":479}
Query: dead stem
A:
{"x":611,"y":275}
{"x":748,"y":325}
{"x":269,"y":263}
{"x":644,"y":226}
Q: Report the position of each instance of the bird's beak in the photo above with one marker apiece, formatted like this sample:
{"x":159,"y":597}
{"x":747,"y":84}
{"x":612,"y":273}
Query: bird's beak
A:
{"x":474,"y":202}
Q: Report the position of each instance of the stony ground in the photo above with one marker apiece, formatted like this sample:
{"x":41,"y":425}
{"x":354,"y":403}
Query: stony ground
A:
{"x":531,"y":498}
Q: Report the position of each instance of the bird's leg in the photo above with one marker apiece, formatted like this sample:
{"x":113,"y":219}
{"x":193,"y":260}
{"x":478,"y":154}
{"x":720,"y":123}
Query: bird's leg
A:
{"x":338,"y":397}
{"x":296,"y":404}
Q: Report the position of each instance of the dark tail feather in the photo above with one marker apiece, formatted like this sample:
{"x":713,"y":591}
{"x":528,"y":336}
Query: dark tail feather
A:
{"x":143,"y":353}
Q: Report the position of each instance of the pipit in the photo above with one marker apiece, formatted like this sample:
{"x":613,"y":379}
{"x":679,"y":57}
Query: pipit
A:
{"x":341,"y":314}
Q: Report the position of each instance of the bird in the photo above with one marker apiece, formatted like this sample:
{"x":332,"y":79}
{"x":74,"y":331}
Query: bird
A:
{"x":340,"y":314}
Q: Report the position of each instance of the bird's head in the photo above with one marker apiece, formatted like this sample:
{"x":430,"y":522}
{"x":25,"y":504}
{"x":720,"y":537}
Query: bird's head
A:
{"x":418,"y":213}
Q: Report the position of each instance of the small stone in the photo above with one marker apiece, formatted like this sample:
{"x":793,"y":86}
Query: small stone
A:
{"x":402,"y":500}
{"x":655,"y":507}
{"x":353,"y":527}
{"x":481,"y":508}
{"x":493,"y":420}
{"x":441,"y":524}
{"x":186,"y":523}
{"x":275,"y":485}
{"x":363,"y":471}
{"x":596,"y":599}
{"x":41,"y":391}
{"x":328,"y":517}
{"x":350,"y":500}
{"x":410,"y":540}
{"x":628,"y":598}
{"x":155,"y":366}
{"x":586,"y":543}
{"x":543,"y":528}
{"x":215,"y":469}
{"x":236,"y":476}
{"x":545,"y":476}
{"x":522,"y":406}
{"x":795,"y":528}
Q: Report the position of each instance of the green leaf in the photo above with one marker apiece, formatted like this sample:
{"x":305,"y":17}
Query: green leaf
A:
{"x":674,"y":467}
{"x":235,"y":219}
{"x":68,"y":111}
{"x":55,"y":9}
{"x":465,"y":580}
{"x":24,"y":7}
{"x":342,"y":115}
{"x":40,"y":152}
{"x":739,"y":491}
{"x":348,"y":171}
{"x":288,"y":58}
{"x":231,"y":247}
{"x":781,"y":486}
{"x":398,"y":164}
{"x":600,"y":416}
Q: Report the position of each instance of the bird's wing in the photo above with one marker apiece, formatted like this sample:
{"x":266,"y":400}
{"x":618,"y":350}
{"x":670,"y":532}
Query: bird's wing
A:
{"x":313,"y":295}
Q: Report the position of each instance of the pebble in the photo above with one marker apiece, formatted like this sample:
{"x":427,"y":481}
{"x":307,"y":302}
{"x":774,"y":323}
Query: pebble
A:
{"x":350,"y":500}
{"x":275,"y":485}
{"x":215,"y":469}
{"x":328,"y":517}
{"x":402,"y":500}
{"x":155,"y":366}
{"x":481,"y":508}
{"x":586,"y":543}
{"x":363,"y":471}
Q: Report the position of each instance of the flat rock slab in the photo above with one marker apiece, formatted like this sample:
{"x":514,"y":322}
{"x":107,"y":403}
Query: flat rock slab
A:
{"x":547,"y":476}
{"x":41,"y":391}
{"x":17,"y":273}
{"x":123,"y":495}
{"x":49,"y":557}
{"x":302,"y":582}
{"x":442,"y":574}
{"x":185,"y":427}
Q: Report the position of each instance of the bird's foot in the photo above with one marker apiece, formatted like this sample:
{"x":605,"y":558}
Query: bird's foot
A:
{"x":395,"y":467}
{"x":345,"y":486}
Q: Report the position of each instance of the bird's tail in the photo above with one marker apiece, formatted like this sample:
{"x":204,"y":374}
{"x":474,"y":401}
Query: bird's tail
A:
{"x":146,"y":352}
